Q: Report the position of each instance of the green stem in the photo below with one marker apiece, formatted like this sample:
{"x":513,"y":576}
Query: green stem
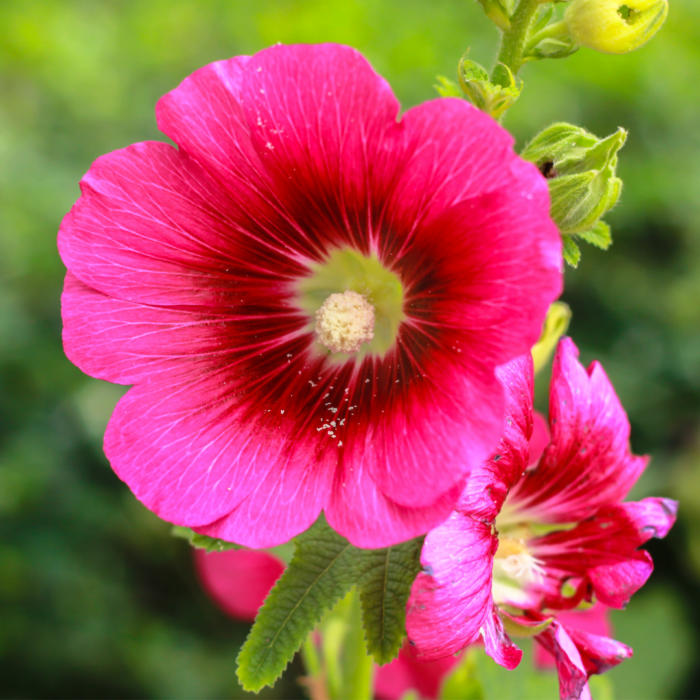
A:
{"x":515,"y":38}
{"x":359,"y":668}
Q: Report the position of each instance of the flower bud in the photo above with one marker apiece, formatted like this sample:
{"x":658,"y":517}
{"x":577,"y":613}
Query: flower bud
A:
{"x":494,"y":99}
{"x":555,"y":326}
{"x":498,"y":11}
{"x":581,"y":173}
{"x":614,"y":26}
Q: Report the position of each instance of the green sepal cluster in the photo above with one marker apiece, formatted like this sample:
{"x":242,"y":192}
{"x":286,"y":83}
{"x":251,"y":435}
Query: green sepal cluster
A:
{"x":494,"y":98}
{"x":583,"y":184}
{"x":324,"y":568}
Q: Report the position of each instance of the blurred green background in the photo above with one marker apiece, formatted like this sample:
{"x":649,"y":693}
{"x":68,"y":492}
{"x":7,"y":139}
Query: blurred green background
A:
{"x":96,"y":599}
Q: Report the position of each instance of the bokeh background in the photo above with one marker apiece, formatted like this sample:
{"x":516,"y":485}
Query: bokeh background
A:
{"x":96,"y":599}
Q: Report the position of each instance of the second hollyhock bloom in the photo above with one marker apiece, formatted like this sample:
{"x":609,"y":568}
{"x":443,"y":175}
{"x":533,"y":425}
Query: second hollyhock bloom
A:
{"x":310,"y":294}
{"x":538,"y":531}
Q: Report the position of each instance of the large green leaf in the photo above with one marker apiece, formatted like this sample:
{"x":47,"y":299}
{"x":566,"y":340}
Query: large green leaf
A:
{"x":324,"y":568}
{"x":320,"y":574}
{"x":384,"y":590}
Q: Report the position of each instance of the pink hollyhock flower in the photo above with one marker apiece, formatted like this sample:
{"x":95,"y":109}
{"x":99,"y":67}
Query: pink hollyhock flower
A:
{"x":238,"y":579}
{"x":310,"y":295}
{"x":534,"y":535}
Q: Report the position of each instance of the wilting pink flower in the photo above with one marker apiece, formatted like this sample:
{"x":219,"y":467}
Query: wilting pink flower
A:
{"x":541,"y":534}
{"x":310,"y":295}
{"x":238,"y":579}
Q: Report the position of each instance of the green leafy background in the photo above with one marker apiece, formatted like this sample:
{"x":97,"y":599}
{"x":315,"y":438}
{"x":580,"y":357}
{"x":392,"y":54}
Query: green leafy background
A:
{"x":96,"y":598}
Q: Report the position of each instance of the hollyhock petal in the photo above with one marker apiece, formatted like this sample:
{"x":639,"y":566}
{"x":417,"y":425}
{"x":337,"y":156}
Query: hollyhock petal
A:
{"x":451,"y":601}
{"x":615,"y":584}
{"x":573,"y":676}
{"x":451,"y":326}
{"x":124,"y":342}
{"x":444,"y":163}
{"x":497,"y":643}
{"x":152,"y":227}
{"x":588,"y":463}
{"x":593,"y":621}
{"x":488,"y":485}
{"x":598,"y":653}
{"x":189,"y":454}
{"x":204,"y":116}
{"x":238,"y":580}
{"x":284,"y":504}
{"x":604,"y":549}
{"x":407,"y":673}
{"x":323,"y":144}
{"x":355,"y":501}
{"x":540,"y":438}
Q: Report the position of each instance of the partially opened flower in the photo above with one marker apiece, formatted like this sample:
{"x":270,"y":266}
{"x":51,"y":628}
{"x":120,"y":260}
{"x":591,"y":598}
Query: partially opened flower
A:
{"x":533,"y":535}
{"x":311,"y":296}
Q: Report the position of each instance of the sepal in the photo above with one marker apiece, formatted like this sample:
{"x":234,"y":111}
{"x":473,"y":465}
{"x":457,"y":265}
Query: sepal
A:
{"x":583,"y":184}
{"x":493,"y":98}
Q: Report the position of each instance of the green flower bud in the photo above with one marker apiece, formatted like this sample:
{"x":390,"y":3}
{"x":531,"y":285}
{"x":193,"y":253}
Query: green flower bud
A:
{"x":615,"y":26}
{"x":581,"y":173}
{"x":498,"y":11}
{"x":555,"y":326}
{"x":494,"y":99}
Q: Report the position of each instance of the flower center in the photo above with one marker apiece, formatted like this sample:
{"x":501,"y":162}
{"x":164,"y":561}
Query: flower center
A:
{"x":354,"y":304}
{"x":513,"y":568}
{"x":344,"y":322}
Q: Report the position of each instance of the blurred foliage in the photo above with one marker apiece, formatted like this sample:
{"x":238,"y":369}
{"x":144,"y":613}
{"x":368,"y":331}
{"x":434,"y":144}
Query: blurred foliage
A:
{"x":96,"y":598}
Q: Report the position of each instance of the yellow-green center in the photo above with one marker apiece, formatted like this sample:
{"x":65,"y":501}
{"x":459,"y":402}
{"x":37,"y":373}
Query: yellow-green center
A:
{"x":324,"y":296}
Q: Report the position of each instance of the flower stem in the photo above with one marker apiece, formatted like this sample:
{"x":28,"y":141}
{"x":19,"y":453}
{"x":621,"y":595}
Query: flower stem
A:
{"x":515,"y":38}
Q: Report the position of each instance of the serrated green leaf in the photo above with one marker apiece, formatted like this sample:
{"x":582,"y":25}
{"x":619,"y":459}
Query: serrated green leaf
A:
{"x":384,"y":590}
{"x":209,"y":544}
{"x":599,"y":236}
{"x":321,"y":572}
{"x":572,"y":254}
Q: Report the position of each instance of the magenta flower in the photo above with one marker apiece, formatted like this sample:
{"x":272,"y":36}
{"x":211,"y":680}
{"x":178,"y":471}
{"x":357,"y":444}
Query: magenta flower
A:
{"x":310,"y":296}
{"x":238,"y":579}
{"x":532,"y":535}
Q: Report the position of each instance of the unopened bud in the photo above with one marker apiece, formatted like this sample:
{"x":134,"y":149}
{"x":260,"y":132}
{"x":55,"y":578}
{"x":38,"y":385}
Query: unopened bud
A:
{"x":498,"y":11}
{"x":555,"y":326}
{"x":581,"y":171}
{"x":615,"y":26}
{"x":494,"y":99}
